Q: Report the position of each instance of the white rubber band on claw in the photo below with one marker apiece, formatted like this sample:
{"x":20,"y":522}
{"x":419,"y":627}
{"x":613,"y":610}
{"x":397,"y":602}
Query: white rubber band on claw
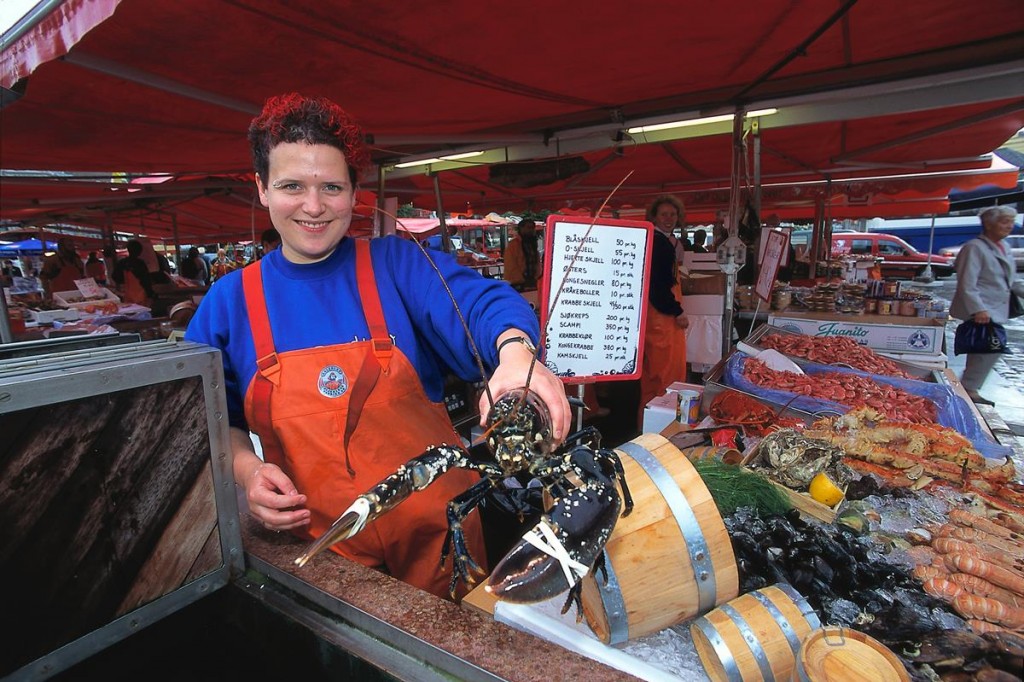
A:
{"x":361,"y":506}
{"x":550,"y":544}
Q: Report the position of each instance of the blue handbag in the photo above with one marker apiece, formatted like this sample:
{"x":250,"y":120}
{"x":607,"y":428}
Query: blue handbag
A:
{"x":972,"y":337}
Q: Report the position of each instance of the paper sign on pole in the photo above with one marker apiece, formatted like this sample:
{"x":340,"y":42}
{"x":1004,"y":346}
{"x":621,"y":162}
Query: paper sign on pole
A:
{"x":777,"y":245}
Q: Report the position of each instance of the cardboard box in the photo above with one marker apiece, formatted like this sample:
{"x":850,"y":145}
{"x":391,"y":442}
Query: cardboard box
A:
{"x":918,"y":335}
{"x":660,"y":412}
{"x":703,"y":283}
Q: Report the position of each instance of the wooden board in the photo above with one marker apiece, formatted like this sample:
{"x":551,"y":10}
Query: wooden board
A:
{"x":480,"y":601}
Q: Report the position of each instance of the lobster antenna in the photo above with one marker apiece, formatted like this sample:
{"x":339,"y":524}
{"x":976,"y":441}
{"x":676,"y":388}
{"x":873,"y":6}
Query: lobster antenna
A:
{"x":572,"y":261}
{"x":451,"y":296}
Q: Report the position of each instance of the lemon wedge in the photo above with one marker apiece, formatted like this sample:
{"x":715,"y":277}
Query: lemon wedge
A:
{"x":824,"y":490}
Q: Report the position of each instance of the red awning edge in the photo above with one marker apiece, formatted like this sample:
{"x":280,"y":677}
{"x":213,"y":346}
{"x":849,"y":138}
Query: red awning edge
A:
{"x":53,"y":36}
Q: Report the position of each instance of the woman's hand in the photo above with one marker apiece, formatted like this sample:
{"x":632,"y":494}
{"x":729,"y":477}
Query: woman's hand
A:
{"x":981,"y":317}
{"x":511,"y":373}
{"x":682,"y":321}
{"x":269,"y":492}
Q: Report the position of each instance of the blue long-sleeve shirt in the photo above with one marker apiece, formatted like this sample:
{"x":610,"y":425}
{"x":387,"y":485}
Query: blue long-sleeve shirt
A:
{"x":315,"y":304}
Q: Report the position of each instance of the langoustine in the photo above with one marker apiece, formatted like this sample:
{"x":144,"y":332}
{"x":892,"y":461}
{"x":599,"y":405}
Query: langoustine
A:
{"x":990,"y":610}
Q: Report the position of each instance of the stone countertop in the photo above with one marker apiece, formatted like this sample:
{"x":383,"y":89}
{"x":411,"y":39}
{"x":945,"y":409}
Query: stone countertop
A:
{"x":503,"y":651}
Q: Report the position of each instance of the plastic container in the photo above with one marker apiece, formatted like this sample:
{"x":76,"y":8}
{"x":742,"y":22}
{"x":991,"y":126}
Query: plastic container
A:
{"x":689,"y":407}
{"x":885,"y":307}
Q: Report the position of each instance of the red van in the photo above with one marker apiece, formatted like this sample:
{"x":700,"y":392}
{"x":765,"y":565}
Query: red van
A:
{"x":900,"y":260}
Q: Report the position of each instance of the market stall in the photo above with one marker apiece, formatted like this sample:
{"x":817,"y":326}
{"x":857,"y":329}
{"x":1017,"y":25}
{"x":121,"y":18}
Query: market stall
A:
{"x":892,"y":317}
{"x":904,"y":532}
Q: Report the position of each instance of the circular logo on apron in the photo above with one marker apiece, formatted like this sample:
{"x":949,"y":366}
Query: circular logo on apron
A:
{"x":332,"y":382}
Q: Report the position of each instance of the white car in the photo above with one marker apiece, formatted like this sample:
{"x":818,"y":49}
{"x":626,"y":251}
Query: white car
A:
{"x":1014,"y":241}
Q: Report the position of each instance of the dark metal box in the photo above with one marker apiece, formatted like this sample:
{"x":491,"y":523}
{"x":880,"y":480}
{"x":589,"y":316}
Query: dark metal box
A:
{"x":117,"y":501}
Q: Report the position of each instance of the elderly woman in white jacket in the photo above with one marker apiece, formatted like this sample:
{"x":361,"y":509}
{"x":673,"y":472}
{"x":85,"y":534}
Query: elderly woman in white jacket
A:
{"x":986,"y":274}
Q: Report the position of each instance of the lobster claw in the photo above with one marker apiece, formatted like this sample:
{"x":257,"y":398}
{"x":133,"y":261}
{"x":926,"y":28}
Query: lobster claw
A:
{"x":414,"y":475}
{"x":561,"y":548}
{"x":352,"y":521}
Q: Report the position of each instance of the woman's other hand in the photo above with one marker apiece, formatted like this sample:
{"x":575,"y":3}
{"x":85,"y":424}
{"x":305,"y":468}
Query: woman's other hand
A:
{"x":269,"y":492}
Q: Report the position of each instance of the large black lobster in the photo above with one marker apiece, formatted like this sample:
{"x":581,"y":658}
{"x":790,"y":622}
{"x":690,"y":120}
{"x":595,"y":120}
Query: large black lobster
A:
{"x":567,"y":542}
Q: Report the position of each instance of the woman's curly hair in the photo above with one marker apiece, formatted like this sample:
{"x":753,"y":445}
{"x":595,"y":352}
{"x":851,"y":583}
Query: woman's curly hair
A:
{"x":314,"y":120}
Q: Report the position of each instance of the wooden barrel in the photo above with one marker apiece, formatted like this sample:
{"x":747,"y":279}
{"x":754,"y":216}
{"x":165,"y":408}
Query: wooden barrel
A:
{"x":754,"y":637}
{"x":845,"y":655}
{"x":668,"y":561}
{"x":727,"y":455}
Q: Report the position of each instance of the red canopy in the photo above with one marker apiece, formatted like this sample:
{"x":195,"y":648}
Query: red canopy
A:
{"x":863,"y":87}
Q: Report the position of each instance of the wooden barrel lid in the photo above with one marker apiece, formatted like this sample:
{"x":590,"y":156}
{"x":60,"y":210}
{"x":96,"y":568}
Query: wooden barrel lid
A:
{"x":843,"y":655}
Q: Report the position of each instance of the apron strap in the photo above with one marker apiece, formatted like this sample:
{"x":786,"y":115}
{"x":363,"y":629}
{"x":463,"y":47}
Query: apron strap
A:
{"x":372,"y":309}
{"x":380,"y":349}
{"x":268,"y":368}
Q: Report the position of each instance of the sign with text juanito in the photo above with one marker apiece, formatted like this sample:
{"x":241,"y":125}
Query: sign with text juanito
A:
{"x":592,"y":297}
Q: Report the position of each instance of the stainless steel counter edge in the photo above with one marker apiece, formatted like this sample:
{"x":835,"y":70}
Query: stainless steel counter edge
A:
{"x":372,"y":639}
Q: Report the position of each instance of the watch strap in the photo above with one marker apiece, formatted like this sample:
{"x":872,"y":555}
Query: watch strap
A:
{"x":518,"y":339}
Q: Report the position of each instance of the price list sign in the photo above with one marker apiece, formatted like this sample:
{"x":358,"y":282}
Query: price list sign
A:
{"x":592,"y":297}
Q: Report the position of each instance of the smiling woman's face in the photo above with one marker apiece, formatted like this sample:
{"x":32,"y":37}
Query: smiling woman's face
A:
{"x":310,"y":197}
{"x":666,"y":217}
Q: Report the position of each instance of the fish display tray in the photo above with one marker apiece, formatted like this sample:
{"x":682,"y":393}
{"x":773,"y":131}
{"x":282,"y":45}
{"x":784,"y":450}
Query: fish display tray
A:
{"x":50,"y":316}
{"x":713,"y":385}
{"x":916,"y":371}
{"x":68,"y":299}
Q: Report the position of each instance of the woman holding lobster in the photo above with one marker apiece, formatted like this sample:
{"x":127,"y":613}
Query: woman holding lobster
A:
{"x":335,"y":351}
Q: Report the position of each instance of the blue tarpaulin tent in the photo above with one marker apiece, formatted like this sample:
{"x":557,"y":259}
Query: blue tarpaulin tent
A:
{"x":29,"y":246}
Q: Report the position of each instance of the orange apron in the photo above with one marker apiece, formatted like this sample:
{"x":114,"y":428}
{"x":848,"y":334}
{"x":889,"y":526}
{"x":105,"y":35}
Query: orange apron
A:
{"x":338,"y":419}
{"x":66,"y":276}
{"x":134,"y":292}
{"x":664,"y":351}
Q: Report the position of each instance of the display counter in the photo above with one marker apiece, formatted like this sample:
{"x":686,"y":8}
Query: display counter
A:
{"x":389,"y":622}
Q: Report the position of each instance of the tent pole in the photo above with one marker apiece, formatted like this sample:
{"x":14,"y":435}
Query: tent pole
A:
{"x":446,"y":239}
{"x":726,"y":260}
{"x":755,"y":131}
{"x":177,"y":242}
{"x":381,"y":226}
{"x":927,"y":276}
{"x":6,"y":335}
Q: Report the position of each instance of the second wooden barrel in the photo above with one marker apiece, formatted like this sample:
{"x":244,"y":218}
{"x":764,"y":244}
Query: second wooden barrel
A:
{"x":755,"y":636}
{"x":668,"y":561}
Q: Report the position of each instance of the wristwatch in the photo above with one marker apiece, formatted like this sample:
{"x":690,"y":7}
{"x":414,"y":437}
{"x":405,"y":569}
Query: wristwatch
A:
{"x":518,"y":339}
